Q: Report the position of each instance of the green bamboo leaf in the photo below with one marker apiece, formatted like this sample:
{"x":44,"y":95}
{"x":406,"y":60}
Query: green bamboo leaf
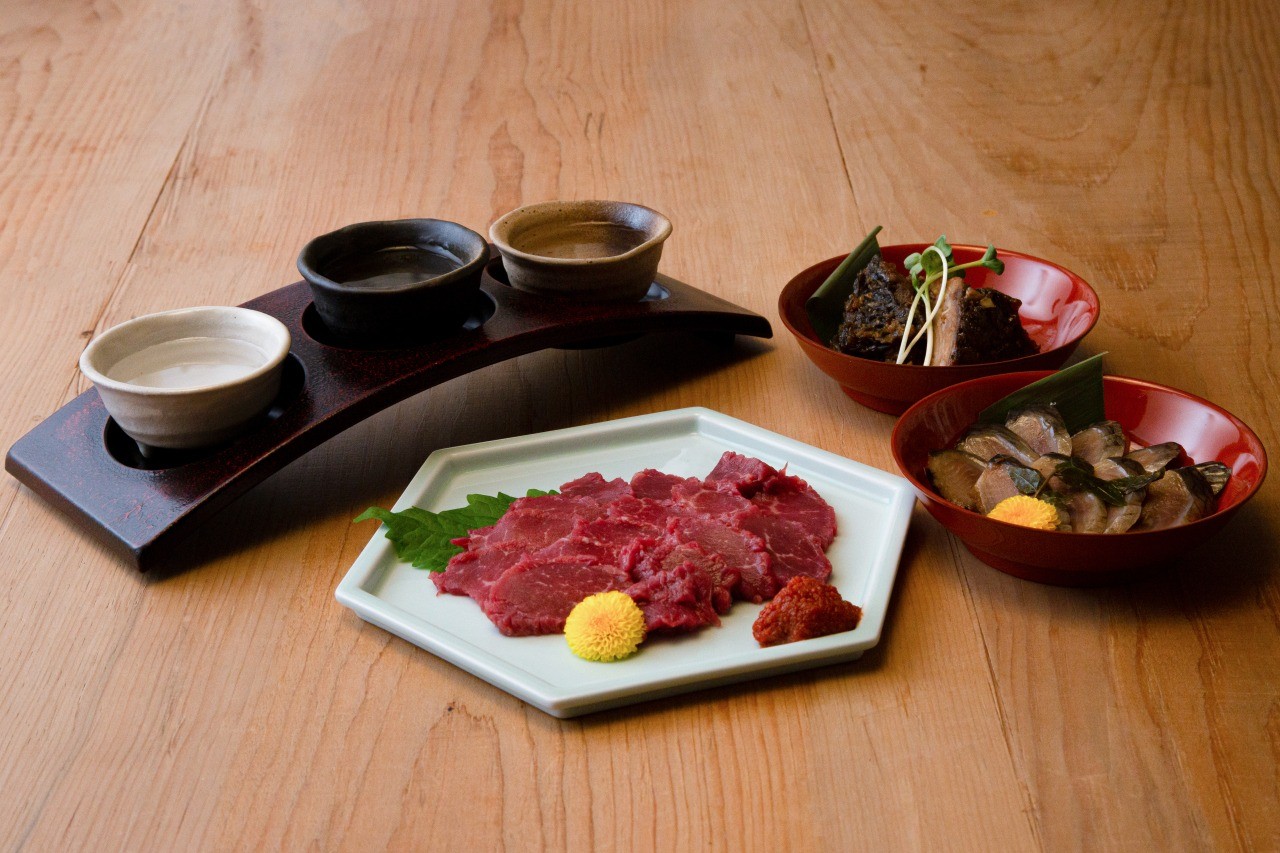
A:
{"x":826,"y":306}
{"x":1075,"y":391}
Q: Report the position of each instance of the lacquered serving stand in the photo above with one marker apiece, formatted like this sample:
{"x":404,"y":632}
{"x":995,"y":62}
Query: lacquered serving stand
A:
{"x":143,"y":507}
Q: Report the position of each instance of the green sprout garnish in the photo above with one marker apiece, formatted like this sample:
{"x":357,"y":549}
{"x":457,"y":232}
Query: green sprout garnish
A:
{"x":925,"y":268}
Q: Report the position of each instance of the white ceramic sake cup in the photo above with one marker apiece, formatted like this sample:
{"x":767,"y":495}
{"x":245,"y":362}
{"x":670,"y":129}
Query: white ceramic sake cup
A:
{"x":189,"y":378}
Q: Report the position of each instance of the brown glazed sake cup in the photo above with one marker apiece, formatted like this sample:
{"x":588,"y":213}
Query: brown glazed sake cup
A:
{"x":602,"y":251}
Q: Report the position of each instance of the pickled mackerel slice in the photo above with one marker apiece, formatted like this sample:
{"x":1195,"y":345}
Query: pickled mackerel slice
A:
{"x":1047,"y":466}
{"x":1181,"y":496}
{"x":1121,"y":518}
{"x":1103,"y":440}
{"x":1156,"y":457}
{"x":1042,"y":428}
{"x":955,"y":474}
{"x":1217,"y":473}
{"x":987,"y":441}
{"x":1088,"y":511}
{"x":1003,"y":478}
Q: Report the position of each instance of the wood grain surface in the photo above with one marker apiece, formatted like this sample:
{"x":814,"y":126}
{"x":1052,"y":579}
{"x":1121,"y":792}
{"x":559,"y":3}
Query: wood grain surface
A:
{"x":156,"y":155}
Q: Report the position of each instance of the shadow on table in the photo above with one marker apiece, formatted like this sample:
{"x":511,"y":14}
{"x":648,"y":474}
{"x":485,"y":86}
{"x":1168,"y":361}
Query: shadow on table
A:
{"x":1219,"y":575}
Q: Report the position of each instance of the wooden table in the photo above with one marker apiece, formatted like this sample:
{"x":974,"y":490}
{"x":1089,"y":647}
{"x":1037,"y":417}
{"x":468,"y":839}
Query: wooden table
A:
{"x":155,"y":155}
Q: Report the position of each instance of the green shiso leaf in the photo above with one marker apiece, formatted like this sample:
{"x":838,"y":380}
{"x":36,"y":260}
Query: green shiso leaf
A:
{"x":422,"y":538}
{"x":826,"y":306}
{"x":1027,"y":480}
{"x":1076,"y":472}
{"x":1075,"y":391}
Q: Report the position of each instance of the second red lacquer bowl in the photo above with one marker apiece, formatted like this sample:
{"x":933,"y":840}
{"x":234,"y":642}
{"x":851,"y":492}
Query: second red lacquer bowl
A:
{"x":1149,"y":413}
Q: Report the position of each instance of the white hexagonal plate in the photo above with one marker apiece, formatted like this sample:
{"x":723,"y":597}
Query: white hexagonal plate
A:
{"x":872,"y":508}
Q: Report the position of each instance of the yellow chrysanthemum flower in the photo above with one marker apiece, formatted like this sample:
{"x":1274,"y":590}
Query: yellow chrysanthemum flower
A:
{"x":1026,"y":511}
{"x":607,"y":626}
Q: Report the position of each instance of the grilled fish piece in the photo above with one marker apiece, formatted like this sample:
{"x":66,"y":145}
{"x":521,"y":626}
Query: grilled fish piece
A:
{"x":1103,"y":440}
{"x":987,"y":441}
{"x":1181,"y":496}
{"x":1042,"y":428}
{"x":875,"y":313}
{"x":955,"y":475}
{"x":978,"y":324}
{"x":1156,"y":457}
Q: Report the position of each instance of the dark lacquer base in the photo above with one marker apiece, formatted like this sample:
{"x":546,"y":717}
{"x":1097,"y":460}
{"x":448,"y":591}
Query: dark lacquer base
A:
{"x":143,"y":507}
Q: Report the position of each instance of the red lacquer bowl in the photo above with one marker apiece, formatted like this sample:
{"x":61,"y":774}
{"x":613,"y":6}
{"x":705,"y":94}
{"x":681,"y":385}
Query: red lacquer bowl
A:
{"x":1058,"y":310}
{"x":1149,"y":413}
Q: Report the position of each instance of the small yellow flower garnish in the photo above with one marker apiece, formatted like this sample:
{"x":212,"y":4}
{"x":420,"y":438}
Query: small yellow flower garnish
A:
{"x":1027,"y":511}
{"x":607,"y":626}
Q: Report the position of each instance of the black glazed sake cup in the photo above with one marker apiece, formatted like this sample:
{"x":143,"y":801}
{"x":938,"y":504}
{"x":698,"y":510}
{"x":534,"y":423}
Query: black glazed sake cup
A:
{"x":394,"y":282}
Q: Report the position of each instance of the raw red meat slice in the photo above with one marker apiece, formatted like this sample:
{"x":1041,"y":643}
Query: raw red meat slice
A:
{"x":652,"y":483}
{"x":559,"y":504}
{"x":794,"y":499}
{"x":476,"y":536}
{"x":474,"y":572}
{"x":794,"y":551}
{"x":596,"y":488}
{"x":672,"y":551}
{"x":636,"y":551}
{"x":675,"y":601}
{"x":617,"y":533}
{"x":617,"y":541}
{"x":535,"y":595}
{"x":537,"y":522}
{"x":707,"y":501}
{"x":742,"y":552}
{"x":529,"y":525}
{"x":642,"y":511}
{"x":580,"y":544}
{"x":743,"y":474}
